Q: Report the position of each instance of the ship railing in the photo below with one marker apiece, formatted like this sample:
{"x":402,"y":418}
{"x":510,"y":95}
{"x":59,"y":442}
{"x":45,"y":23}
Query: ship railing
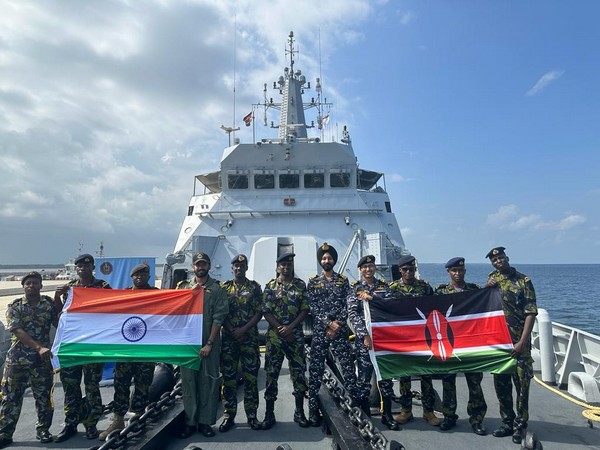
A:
{"x":568,"y":357}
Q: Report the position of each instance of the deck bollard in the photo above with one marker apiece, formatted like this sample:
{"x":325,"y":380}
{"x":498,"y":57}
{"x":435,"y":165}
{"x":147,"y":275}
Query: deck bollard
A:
{"x":546,"y":347}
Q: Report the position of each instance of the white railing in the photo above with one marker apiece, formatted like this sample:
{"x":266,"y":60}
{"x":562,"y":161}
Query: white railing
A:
{"x":575,"y":358}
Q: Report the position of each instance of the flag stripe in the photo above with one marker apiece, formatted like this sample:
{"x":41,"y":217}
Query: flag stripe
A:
{"x":494,"y":361}
{"x":112,"y":329}
{"x":137,"y":301}
{"x":72,"y":354}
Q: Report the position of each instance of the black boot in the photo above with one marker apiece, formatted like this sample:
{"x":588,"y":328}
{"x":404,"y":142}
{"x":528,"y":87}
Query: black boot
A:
{"x":386,"y":416}
{"x":299,"y":416}
{"x":314,"y":417}
{"x":269,"y":415}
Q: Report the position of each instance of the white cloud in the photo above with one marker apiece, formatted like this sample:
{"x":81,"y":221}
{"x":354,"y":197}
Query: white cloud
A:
{"x":407,"y":17}
{"x":509,"y":218}
{"x":545,"y":81}
{"x":396,"y":178}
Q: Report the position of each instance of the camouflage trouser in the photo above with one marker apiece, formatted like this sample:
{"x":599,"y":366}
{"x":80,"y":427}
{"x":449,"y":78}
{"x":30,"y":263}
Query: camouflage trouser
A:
{"x":318,"y":352}
{"x":365,"y":374}
{"x":275,"y":350}
{"x":427,"y":395}
{"x":246,"y":354}
{"x":476,"y":407}
{"x":521,"y":379}
{"x":77,"y":410}
{"x":14,"y":382}
{"x":142,"y":375}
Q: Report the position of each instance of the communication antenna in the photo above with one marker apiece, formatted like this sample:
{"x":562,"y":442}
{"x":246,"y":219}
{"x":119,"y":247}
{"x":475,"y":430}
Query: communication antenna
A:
{"x":233,"y":129}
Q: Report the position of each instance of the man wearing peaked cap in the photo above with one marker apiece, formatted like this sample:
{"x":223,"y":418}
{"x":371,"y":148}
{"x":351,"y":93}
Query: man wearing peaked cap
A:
{"x":327,"y":294}
{"x":70,"y":377}
{"x":125,"y":372}
{"x":476,"y":406}
{"x":409,"y":286}
{"x":200,"y":388}
{"x":285,"y":306}
{"x":240,"y":345}
{"x":368,"y":288}
{"x":28,"y":319}
{"x":520,"y":308}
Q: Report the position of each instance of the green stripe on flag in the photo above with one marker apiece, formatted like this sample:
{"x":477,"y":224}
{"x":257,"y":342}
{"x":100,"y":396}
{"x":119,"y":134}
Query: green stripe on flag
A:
{"x":494,"y":361}
{"x":73,"y":354}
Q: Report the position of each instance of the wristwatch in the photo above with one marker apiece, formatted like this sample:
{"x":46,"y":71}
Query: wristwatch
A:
{"x":209,"y":342}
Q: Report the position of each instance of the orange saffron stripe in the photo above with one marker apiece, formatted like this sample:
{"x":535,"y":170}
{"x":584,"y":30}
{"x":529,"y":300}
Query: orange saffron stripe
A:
{"x":137,"y":301}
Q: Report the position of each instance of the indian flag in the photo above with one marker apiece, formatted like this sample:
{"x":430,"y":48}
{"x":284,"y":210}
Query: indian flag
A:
{"x":130,"y":325}
{"x":440,"y":334}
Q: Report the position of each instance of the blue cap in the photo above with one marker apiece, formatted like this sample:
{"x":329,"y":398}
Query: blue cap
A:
{"x":408,"y":260}
{"x":85,"y":258}
{"x":240,"y":259}
{"x":366,"y":260}
{"x":495,"y":251}
{"x":455,"y":262}
{"x":143,"y":267}
{"x":286,"y":257}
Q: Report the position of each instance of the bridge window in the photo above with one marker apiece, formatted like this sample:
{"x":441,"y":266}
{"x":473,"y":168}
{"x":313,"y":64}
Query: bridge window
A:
{"x":264,"y":181}
{"x":237,"y":181}
{"x":338,"y":180}
{"x":314,"y":180}
{"x":289,"y":181}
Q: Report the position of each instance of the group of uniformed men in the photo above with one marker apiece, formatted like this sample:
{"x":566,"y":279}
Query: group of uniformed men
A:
{"x":231,"y":312}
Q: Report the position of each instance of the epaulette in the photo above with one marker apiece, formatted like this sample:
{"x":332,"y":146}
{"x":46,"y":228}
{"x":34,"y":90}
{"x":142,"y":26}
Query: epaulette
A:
{"x":312,"y":277}
{"x":342,"y":276}
{"x":354,"y":283}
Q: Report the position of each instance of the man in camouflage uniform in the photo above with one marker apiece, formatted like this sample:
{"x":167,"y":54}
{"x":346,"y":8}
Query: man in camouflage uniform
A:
{"x":327,"y":297}
{"x":77,"y":408}
{"x":240,"y":344}
{"x":141,"y":372}
{"x":28,"y":359}
{"x":285,"y":306}
{"x":201,"y":387}
{"x":520,"y":308}
{"x":410,"y":286}
{"x":476,"y":407}
{"x":367,"y":289}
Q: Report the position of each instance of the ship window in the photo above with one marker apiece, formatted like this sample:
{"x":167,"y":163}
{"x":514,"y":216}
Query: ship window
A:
{"x":314,"y":180}
{"x":289,"y":181}
{"x":264,"y":181}
{"x":237,"y":181}
{"x":339,"y":180}
{"x":388,"y":207}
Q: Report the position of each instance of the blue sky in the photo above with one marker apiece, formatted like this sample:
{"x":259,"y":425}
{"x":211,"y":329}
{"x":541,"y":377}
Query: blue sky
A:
{"x":483,"y":115}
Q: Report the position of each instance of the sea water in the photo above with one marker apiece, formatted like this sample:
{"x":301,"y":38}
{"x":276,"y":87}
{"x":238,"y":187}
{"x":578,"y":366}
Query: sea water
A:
{"x":569,"y":292}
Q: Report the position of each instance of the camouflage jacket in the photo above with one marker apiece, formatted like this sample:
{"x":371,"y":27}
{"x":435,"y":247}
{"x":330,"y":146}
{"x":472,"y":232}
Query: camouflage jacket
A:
{"x":327,"y":299}
{"x":96,"y":283}
{"x":245,"y":302}
{"x":147,"y":287}
{"x":356,"y":314}
{"x":518,"y":299}
{"x":285,"y":300}
{"x":449,"y":288}
{"x":36,"y":322}
{"x":419,"y":288}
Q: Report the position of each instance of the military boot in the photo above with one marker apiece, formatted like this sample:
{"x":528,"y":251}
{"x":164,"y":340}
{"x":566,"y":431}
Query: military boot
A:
{"x":314,"y":417}
{"x":269,"y":415}
{"x":386,"y":416}
{"x":117,"y":423}
{"x":299,"y":416}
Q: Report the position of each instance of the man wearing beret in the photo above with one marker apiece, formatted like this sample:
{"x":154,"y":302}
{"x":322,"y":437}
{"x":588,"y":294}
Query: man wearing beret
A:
{"x":285,"y":306}
{"x":240,"y":344}
{"x":141,"y":372}
{"x":409,"y":286}
{"x":78,"y":409}
{"x":28,"y":359}
{"x":368,"y":288}
{"x":201,"y":387}
{"x":327,"y":297}
{"x":520,"y":309}
{"x":476,"y":407}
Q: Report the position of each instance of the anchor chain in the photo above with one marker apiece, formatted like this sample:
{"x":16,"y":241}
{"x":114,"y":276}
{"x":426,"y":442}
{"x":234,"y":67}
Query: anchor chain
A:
{"x":120,"y":438}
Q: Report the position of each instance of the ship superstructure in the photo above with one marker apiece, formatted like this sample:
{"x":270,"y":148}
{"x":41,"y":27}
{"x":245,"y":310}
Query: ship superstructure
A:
{"x":288,"y":193}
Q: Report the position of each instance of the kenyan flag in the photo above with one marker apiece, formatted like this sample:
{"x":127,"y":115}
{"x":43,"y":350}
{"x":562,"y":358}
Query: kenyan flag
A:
{"x":440,"y":334}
